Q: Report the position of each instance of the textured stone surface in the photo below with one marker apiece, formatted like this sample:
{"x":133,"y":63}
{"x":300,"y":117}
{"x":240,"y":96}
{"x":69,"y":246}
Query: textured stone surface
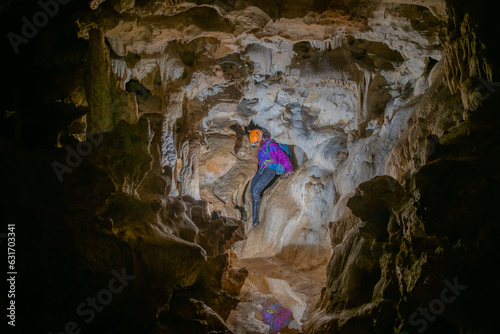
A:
{"x":362,"y":91}
{"x":178,"y":256}
{"x":338,"y":88}
{"x":270,"y":277}
{"x":112,"y":214}
{"x":415,"y":243}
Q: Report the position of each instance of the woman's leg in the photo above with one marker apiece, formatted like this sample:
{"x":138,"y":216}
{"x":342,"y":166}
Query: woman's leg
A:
{"x":259,"y":182}
{"x":255,"y":199}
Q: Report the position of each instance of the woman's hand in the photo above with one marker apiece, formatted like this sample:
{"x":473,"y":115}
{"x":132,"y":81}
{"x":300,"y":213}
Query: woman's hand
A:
{"x":288,"y":174}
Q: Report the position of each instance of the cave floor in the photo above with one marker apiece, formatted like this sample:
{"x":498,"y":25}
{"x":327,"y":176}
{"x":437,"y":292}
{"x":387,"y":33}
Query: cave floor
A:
{"x":269,"y":277}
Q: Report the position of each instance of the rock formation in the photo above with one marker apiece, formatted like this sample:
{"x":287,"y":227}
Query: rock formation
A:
{"x":126,"y":155}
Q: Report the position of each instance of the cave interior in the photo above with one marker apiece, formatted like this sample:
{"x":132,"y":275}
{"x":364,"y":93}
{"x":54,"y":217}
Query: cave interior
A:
{"x":126,"y":166}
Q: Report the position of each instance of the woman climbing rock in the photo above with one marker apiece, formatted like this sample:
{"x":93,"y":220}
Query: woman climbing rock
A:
{"x":274,"y":159}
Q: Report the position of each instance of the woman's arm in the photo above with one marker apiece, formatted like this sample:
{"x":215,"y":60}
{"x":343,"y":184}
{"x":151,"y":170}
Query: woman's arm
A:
{"x":280,"y":157}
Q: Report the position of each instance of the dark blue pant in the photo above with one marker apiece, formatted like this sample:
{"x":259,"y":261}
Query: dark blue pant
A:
{"x":263,"y":177}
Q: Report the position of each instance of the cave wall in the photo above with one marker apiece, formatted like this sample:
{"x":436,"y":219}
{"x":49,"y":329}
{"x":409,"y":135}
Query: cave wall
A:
{"x":417,"y":257}
{"x":108,"y":222}
{"x":412,"y":256}
{"x":101,"y":245}
{"x":163,"y":94}
{"x":335,"y":86}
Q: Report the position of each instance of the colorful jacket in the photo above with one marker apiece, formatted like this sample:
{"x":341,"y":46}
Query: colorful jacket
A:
{"x":277,"y":155}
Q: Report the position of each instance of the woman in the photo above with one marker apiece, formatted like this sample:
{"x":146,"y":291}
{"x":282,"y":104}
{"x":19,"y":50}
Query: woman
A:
{"x":272,"y":161}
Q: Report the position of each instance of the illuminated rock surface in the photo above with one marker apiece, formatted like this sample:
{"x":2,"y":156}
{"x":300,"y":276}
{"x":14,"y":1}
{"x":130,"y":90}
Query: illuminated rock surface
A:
{"x":386,"y":106}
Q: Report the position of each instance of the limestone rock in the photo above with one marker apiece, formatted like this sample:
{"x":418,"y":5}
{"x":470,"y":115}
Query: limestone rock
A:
{"x":192,"y":315}
{"x":117,"y":223}
{"x":107,"y":103}
{"x":373,"y":199}
{"x":340,"y":228}
{"x":127,"y":172}
{"x":431,"y":246}
{"x":129,"y":152}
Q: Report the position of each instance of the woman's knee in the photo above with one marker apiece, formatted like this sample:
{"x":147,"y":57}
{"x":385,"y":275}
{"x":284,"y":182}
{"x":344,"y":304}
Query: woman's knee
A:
{"x":256,"y":194}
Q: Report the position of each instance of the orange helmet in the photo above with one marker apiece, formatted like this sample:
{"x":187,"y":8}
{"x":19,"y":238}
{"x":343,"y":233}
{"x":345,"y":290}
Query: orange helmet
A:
{"x":256,"y":137}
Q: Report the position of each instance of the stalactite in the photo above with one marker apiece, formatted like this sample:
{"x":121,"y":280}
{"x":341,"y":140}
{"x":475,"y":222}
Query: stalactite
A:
{"x":97,"y":84}
{"x":464,"y":54}
{"x":330,"y":44}
{"x":190,"y":154}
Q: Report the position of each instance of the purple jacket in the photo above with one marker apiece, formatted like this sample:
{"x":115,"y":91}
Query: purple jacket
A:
{"x":277,"y":155}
